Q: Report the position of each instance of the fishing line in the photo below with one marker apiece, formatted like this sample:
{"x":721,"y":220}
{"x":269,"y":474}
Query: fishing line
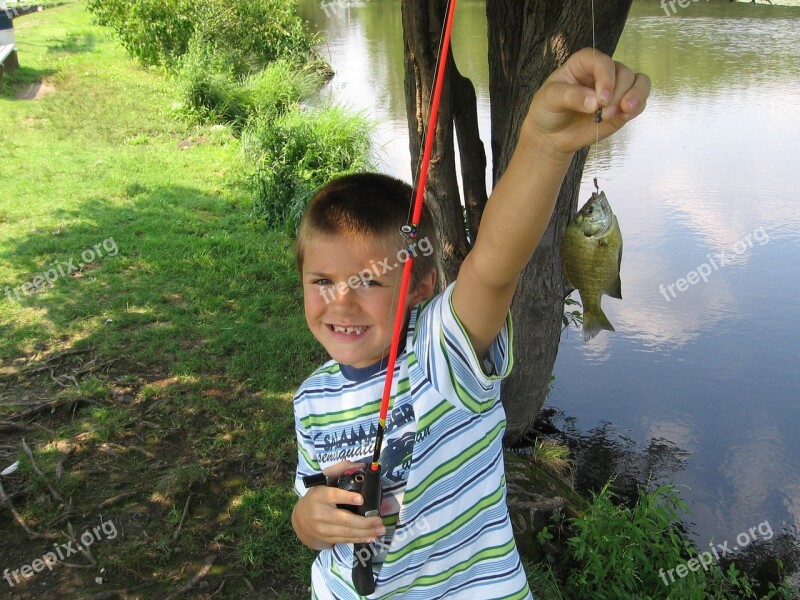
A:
{"x":598,"y":115}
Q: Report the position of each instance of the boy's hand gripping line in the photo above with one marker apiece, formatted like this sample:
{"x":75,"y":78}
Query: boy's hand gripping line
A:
{"x":370,"y":485}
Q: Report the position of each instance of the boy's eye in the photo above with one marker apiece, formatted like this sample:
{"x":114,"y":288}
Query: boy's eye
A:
{"x":372,"y":283}
{"x":322,"y":282}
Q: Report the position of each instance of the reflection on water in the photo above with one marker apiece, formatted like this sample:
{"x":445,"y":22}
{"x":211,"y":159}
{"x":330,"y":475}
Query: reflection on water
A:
{"x":704,"y":374}
{"x":702,"y":184}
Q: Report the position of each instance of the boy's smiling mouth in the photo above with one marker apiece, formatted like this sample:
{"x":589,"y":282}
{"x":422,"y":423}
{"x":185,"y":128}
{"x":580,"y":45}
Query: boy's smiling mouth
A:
{"x":349,"y":330}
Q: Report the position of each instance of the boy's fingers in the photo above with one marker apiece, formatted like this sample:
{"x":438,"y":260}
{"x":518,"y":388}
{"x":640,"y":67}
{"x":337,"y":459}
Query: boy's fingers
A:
{"x":332,"y":496}
{"x":335,"y":470}
{"x":624,"y":82}
{"x":353,"y":528}
{"x":337,"y":496}
{"x":634,"y":100}
{"x":594,"y":69}
{"x":572,"y":97}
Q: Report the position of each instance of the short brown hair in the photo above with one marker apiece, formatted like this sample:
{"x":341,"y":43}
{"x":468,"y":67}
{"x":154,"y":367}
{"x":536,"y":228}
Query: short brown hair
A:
{"x":369,"y":206}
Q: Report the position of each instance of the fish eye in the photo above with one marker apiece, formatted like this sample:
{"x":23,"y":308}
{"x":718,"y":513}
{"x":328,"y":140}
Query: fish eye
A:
{"x":589,"y":210}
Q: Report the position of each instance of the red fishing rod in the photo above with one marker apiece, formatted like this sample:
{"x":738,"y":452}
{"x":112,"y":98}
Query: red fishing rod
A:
{"x":371,"y":488}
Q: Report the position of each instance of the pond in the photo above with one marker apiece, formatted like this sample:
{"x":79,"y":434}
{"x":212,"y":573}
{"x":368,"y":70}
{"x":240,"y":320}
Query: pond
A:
{"x":698,"y":384}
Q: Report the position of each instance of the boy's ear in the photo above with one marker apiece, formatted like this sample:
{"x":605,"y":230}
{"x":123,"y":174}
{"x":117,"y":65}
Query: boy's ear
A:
{"x":425,"y":289}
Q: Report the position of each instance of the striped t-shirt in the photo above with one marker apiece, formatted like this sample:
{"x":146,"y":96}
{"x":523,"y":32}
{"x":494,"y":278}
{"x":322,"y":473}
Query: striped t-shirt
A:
{"x":443,"y":480}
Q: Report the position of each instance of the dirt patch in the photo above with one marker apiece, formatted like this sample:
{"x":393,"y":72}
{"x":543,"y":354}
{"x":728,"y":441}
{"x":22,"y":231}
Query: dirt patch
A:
{"x":35,"y":91}
{"x":164,"y":463}
{"x":192,"y":141}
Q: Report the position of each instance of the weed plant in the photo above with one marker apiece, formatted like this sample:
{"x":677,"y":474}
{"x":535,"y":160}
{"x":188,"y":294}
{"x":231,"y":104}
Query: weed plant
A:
{"x":298,"y":152}
{"x":211,"y":92}
{"x":618,"y":552}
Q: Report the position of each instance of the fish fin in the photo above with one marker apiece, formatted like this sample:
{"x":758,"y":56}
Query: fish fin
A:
{"x":616,"y":291}
{"x":616,"y":288}
{"x":594,"y":322}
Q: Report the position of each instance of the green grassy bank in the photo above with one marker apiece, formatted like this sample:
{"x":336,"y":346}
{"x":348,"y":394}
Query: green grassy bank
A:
{"x":158,"y":373}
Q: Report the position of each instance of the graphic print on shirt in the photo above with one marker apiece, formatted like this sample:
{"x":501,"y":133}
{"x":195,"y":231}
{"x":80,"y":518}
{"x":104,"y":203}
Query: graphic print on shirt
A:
{"x":357,"y":444}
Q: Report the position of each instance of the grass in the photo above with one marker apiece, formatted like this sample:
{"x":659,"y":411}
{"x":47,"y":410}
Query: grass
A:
{"x":183,"y":346}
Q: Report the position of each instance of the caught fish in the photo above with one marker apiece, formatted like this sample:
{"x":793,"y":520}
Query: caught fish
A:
{"x":591,"y":255}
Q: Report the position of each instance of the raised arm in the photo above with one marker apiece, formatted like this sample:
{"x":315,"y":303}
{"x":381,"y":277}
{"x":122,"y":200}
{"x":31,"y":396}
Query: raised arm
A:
{"x":559,"y":122}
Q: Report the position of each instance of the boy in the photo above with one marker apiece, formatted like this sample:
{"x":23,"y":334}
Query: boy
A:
{"x":444,"y":530}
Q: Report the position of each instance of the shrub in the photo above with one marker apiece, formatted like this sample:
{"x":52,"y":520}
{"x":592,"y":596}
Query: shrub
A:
{"x":155,"y":32}
{"x":250,"y":34}
{"x":619,"y":552}
{"x":254,"y":33}
{"x":299,"y":152}
{"x":210,"y":90}
{"x":280,"y":87}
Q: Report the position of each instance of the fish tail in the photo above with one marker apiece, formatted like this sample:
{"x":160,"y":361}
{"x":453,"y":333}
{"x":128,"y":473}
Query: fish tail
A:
{"x":594,"y":321}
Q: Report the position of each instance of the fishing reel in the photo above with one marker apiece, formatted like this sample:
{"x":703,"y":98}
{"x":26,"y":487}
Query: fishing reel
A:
{"x":366,"y":482}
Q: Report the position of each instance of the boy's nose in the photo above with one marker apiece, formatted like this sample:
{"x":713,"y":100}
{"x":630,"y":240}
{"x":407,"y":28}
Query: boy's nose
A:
{"x":343,"y":294}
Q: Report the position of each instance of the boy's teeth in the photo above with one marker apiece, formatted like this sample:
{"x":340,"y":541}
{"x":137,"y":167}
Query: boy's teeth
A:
{"x":356,"y":330}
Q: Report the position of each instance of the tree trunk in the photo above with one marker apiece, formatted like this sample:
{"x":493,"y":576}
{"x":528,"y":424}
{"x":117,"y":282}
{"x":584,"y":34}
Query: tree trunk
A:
{"x":528,"y":40}
{"x":422,"y":27}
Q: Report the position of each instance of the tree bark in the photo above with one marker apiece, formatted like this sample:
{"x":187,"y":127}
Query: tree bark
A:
{"x":470,"y":147}
{"x":528,"y":40}
{"x":422,"y":27}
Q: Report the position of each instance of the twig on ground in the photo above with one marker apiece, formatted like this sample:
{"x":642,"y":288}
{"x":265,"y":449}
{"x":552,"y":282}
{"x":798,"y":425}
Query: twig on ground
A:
{"x":21,"y":522}
{"x":117,"y":593}
{"x":183,"y":517}
{"x":91,"y":368}
{"x":44,"y":366}
{"x":59,"y":471}
{"x":82,"y":549}
{"x":53,"y":492}
{"x":219,"y":589}
{"x":133,"y":448}
{"x":117,"y":498}
{"x":65,"y":516}
{"x":195,"y":579}
{"x":53,"y":377}
{"x":72,"y":565}
{"x":9,"y":427}
{"x":52,"y":405}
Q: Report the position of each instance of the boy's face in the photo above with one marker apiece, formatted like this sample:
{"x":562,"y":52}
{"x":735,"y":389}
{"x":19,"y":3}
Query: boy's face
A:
{"x":350,"y":300}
